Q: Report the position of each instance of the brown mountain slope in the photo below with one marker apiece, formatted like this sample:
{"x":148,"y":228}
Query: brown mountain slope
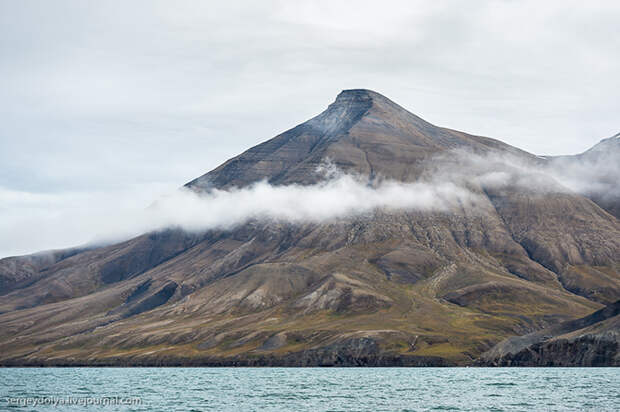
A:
{"x":362,"y":131}
{"x":389,"y":287}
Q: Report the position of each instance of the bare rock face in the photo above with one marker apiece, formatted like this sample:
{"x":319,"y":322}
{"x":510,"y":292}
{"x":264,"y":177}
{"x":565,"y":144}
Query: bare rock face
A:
{"x":590,"y":341}
{"x":21,"y":271}
{"x":391,"y":287}
{"x":587,"y":350}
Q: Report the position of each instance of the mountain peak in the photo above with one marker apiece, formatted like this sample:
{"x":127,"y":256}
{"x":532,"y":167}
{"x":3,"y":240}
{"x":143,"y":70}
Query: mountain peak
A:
{"x":353,"y":105}
{"x":357,"y":95}
{"x":361,"y":132}
{"x":364,"y":97}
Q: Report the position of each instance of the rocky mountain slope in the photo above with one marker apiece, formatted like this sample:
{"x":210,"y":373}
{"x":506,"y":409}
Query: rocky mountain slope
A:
{"x":393,"y":286}
{"x":589,"y":341}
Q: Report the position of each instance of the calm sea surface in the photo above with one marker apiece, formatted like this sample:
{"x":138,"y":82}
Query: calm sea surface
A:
{"x":309,"y":389}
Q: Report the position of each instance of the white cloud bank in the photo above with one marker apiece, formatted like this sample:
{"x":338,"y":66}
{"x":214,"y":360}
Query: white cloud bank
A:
{"x":50,"y":221}
{"x":35,"y":222}
{"x":32,"y":222}
{"x":335,"y":198}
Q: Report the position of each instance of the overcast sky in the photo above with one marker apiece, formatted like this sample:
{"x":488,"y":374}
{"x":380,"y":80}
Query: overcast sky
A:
{"x":106,"y":105}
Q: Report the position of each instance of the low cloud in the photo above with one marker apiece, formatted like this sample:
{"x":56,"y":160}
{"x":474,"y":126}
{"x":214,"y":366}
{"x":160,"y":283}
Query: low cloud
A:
{"x":455,"y":182}
{"x":337,"y":197}
{"x":32,"y":222}
{"x":593,"y":173}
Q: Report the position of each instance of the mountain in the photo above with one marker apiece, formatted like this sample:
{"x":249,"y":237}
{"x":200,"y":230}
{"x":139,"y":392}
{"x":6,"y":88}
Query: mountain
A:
{"x":394,"y":286}
{"x":589,"y":341}
{"x":361,"y":131}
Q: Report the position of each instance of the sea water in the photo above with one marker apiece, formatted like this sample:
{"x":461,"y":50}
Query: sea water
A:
{"x":310,"y":389}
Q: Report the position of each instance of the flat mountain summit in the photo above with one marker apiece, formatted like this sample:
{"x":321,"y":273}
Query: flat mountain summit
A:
{"x":395,"y":286}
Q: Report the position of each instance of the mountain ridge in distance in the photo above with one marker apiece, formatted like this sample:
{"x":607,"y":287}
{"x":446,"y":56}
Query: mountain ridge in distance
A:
{"x":391,"y":287}
{"x":601,"y":165}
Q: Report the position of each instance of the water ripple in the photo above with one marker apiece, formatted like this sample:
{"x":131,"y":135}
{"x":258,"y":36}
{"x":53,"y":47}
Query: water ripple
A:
{"x":316,"y":389}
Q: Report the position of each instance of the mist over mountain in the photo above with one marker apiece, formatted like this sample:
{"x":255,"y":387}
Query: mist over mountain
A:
{"x":593,"y":173}
{"x":364,"y":236}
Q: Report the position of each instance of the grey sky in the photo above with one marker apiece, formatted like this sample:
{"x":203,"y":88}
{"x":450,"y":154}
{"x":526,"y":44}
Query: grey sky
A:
{"x":105,"y":105}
